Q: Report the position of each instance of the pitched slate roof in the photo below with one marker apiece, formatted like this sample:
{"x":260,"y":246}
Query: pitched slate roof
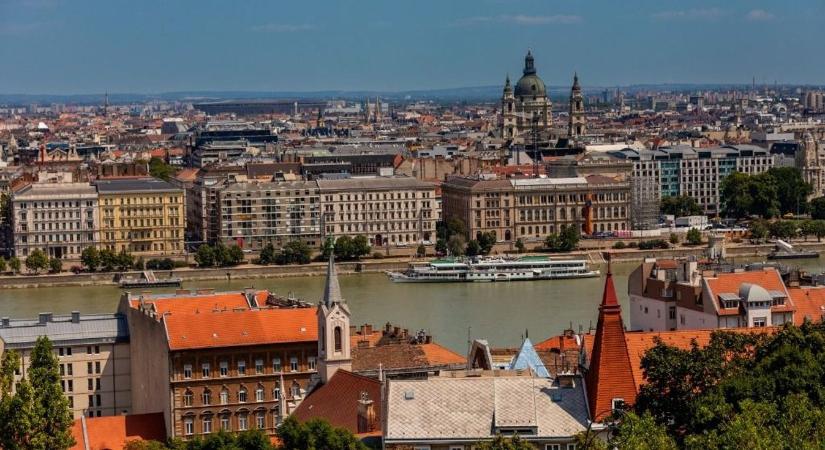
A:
{"x":444,"y":409}
{"x":61,"y":330}
{"x":337,"y":401}
{"x":113,"y":432}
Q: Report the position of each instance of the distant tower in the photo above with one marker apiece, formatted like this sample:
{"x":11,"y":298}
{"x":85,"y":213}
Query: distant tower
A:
{"x":508,"y":113}
{"x":807,"y":161}
{"x":106,"y":104}
{"x":367,"y":110}
{"x":11,"y":149}
{"x":333,"y":328}
{"x":377,"y":109}
{"x":577,"y":123}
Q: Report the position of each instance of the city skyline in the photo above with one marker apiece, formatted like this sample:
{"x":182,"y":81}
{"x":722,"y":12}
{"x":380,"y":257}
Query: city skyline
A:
{"x":57,"y":47}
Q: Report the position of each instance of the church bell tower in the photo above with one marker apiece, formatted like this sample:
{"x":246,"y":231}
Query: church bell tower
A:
{"x":577,"y":123}
{"x":333,"y":328}
{"x":508,"y":112}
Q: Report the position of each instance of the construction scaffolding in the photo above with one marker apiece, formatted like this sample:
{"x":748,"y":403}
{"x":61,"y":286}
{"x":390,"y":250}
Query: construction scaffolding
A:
{"x":645,"y":199}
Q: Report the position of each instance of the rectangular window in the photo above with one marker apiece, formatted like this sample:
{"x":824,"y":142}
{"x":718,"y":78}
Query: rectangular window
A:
{"x":224,"y":368}
{"x":242,"y":422}
{"x":241,"y":367}
{"x":187,"y":371}
{"x":225,"y":423}
{"x":68,"y":351}
{"x":97,"y":400}
{"x":97,"y":384}
{"x":71,"y":385}
{"x":207,"y":425}
{"x":224,"y":397}
{"x":89,"y":368}
{"x":205,"y":370}
{"x":552,"y":447}
{"x":259,"y":394}
{"x":260,"y":420}
{"x":91,"y":401}
{"x":97,"y":349}
{"x":276,"y":365}
{"x":189,"y":426}
{"x":70,"y":369}
{"x":90,"y":384}
{"x":259,"y":366}
{"x":311,"y":362}
{"x":97,"y":366}
{"x":293,"y":363}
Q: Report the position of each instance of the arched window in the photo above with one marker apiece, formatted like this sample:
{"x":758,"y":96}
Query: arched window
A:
{"x":224,"y":396}
{"x":338,"y":341}
{"x":206,"y":397}
{"x":187,"y":398}
{"x":242,"y":395}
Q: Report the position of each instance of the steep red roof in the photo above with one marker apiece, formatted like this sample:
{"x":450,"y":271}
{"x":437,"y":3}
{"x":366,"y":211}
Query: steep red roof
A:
{"x":809,"y":302}
{"x":113,"y":432}
{"x":229,"y":328}
{"x":609,"y":375}
{"x":193,"y":303}
{"x":337,"y":401}
{"x":769,"y":279}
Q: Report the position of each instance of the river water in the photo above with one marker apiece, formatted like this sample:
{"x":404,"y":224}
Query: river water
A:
{"x":499,"y":312}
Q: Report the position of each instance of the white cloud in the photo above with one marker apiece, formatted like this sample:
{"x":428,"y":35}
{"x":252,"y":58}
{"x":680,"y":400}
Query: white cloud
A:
{"x":282,"y":28}
{"x":759,"y":15}
{"x":522,"y":19}
{"x":690,"y":14}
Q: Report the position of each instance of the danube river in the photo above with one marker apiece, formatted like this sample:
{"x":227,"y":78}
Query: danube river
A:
{"x":498,"y":312}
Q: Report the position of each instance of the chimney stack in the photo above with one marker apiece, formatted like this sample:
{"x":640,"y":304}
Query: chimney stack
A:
{"x":44,"y":317}
{"x":6,"y":322}
{"x":366,"y":414}
{"x":75,"y":316}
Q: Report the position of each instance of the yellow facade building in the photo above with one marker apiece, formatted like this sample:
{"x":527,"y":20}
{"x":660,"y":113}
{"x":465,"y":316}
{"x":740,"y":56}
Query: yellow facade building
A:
{"x":144,"y":216}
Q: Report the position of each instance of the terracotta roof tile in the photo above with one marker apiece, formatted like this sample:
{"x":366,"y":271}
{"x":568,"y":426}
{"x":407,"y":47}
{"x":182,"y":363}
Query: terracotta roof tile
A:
{"x":400,"y":356}
{"x":439,"y":355}
{"x":189,"y":304}
{"x":337,"y":401}
{"x":809,"y":302}
{"x":770,"y":279}
{"x":237,"y":328}
{"x":113,"y":432}
{"x":609,"y":375}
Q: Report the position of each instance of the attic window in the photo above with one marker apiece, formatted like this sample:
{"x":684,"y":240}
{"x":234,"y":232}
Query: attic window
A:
{"x":617,"y":404}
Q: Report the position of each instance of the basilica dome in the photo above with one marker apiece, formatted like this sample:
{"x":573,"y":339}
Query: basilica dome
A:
{"x":530,"y":85}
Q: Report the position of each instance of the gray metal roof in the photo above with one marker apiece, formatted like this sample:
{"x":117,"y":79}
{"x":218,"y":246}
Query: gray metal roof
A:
{"x":90,"y":328}
{"x":135,"y":185}
{"x":377,"y":183}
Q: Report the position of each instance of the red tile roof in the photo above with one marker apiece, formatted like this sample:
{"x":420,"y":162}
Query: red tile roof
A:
{"x":609,"y":375}
{"x":189,"y":304}
{"x":438,"y":355}
{"x":769,"y":279}
{"x":809,"y":302}
{"x":233,"y":328}
{"x":337,"y":401}
{"x":113,"y":432}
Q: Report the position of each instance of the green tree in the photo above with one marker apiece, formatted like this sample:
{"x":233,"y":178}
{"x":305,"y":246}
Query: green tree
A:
{"x":818,"y":229}
{"x":4,"y":266}
{"x":14,"y":264}
{"x":344,"y":248}
{"x":456,"y":245}
{"x":421,"y":251}
{"x":205,"y":256}
{"x":473,"y":248}
{"x":55,"y":265}
{"x":158,"y":168}
{"x":441,"y":245}
{"x":792,"y":191}
{"x":486,"y":241}
{"x":680,"y":205}
{"x":316,"y":434}
{"x":504,"y":443}
{"x":90,"y":258}
{"x":327,"y":246}
{"x":693,"y":237}
{"x":18,"y":418}
{"x":267,"y":255}
{"x":745,"y":195}
{"x":817,"y":208}
{"x":783,"y":229}
{"x":360,"y":246}
{"x":294,"y":252}
{"x":758,"y":230}
{"x":37,"y":261}
{"x":450,"y":227}
{"x":520,"y":246}
{"x":124,"y":261}
{"x":52,"y":426}
{"x":235,"y":255}
{"x":641,"y":433}
{"x":674,"y":238}
{"x":108,"y":260}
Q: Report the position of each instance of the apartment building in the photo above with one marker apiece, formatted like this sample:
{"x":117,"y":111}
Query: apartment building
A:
{"x":680,"y":295}
{"x":94,"y":358}
{"x":532,"y":208}
{"x":388,"y":210}
{"x":61,"y":219}
{"x":695,"y":172}
{"x":254,"y":214}
{"x":144,"y":216}
{"x":202,"y":205}
{"x":219,"y":361}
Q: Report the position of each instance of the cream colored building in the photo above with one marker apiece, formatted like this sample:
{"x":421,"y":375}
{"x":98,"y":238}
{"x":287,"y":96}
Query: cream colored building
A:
{"x":93,"y":355}
{"x":144,"y":216}
{"x":389,"y":211}
{"x":61,"y":219}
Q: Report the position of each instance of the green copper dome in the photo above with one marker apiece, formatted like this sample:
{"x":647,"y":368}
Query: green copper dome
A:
{"x":530,"y":85}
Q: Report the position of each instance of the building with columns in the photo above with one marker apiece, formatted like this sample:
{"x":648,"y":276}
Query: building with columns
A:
{"x":525,"y":107}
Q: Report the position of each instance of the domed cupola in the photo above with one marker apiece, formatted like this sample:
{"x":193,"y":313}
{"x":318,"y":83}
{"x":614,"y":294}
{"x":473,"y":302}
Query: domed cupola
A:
{"x":530,"y":85}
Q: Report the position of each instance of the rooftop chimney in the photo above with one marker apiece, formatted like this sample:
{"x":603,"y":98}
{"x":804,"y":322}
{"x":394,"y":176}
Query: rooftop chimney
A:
{"x":75,"y":316}
{"x":366,"y":414}
{"x":44,"y":317}
{"x":5,"y":322}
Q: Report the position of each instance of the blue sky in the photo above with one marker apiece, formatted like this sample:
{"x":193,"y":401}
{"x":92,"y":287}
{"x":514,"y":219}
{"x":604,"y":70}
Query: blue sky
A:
{"x":90,"y":46}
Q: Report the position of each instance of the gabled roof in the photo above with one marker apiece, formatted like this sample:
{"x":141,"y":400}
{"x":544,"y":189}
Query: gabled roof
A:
{"x":527,"y":358}
{"x":731,"y":283}
{"x":240,"y":328}
{"x":194,"y":303}
{"x":337,"y":401}
{"x":609,"y":375}
{"x":809,"y":302}
{"x":404,"y":356}
{"x":113,"y":432}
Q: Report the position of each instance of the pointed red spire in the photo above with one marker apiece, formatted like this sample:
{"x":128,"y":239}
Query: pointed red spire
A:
{"x":609,"y":375}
